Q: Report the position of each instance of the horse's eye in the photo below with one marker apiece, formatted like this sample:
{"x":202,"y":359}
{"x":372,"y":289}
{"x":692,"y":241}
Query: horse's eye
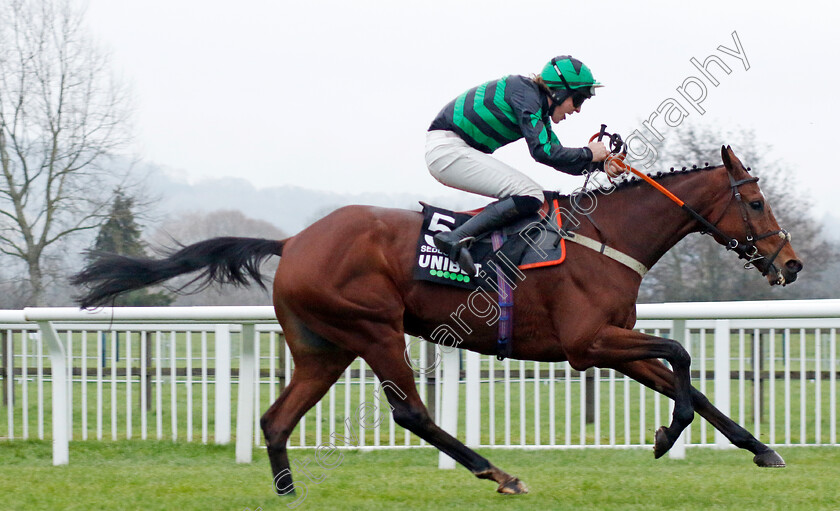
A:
{"x":757,"y":205}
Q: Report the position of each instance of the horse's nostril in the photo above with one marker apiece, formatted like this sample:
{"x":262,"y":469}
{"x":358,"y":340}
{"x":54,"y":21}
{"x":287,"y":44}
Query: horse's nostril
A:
{"x":794,"y":265}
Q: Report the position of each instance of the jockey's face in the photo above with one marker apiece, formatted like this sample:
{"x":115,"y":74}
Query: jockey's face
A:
{"x":565,"y":108}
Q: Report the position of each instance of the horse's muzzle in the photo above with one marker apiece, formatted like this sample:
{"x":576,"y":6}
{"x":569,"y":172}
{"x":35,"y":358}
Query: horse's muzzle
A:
{"x":786,"y":275}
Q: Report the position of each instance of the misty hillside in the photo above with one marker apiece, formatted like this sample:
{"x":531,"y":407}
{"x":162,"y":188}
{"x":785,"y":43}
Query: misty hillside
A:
{"x":290,"y":208}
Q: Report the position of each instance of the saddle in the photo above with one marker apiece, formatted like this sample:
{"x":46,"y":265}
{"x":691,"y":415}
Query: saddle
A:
{"x":531,"y":242}
{"x":501,"y":256}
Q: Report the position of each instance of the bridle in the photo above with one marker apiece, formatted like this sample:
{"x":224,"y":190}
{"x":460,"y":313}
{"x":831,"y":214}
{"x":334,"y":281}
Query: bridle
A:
{"x":746,"y":250}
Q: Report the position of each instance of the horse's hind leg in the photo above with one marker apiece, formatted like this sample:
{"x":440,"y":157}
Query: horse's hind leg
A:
{"x":654,"y":374}
{"x":318,"y":364}
{"x":386,"y":358}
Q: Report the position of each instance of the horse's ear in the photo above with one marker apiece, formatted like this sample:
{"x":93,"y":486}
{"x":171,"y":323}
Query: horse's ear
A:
{"x":724,"y":155}
{"x":730,"y":161}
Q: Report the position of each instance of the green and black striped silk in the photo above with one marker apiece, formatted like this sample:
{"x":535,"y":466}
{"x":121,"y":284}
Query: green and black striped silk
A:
{"x":501,"y":111}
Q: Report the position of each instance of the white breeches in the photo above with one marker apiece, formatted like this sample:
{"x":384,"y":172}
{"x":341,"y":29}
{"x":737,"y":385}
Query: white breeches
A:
{"x":454,"y":163}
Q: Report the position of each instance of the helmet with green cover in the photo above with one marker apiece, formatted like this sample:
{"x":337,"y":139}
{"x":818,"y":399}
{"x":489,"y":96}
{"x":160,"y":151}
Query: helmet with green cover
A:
{"x":567,"y":76}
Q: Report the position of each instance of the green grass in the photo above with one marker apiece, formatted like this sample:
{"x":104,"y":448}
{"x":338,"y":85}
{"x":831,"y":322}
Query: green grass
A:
{"x":166,"y":475}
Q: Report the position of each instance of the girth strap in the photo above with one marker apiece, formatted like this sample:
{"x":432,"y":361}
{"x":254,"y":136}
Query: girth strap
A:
{"x":610,"y":252}
{"x":503,"y":344}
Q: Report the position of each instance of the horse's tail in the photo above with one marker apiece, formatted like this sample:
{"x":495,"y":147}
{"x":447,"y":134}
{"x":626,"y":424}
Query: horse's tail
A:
{"x":225,"y":260}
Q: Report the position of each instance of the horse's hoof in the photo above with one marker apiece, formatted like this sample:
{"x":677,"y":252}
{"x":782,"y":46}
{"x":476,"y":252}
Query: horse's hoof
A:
{"x":769,"y":459}
{"x":512,"y":487}
{"x":661,"y":444}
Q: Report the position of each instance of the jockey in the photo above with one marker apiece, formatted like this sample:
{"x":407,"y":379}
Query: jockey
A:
{"x":484,"y":118}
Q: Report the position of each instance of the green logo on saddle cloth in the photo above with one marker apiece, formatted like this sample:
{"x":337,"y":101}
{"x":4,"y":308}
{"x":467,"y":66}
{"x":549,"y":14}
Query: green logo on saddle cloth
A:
{"x":460,"y":277}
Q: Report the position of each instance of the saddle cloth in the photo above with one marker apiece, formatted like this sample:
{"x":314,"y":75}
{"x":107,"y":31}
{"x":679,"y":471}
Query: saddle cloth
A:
{"x":532,"y":242}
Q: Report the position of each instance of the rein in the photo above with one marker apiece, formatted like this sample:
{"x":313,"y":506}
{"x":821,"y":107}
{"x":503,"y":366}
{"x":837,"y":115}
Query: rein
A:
{"x":748,"y":250}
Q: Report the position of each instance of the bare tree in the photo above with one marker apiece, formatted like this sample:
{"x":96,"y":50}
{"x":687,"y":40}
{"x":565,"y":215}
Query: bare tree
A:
{"x":62,"y":113}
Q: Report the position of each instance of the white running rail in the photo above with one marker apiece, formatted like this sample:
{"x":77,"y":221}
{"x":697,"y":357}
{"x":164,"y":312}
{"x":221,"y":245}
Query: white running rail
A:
{"x":783,"y":347}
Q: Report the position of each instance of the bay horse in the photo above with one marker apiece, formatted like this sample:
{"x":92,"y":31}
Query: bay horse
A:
{"x":344,"y":289}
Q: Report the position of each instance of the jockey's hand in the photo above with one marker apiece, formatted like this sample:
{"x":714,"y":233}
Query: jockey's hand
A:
{"x":599,"y":151}
{"x":614,"y":169}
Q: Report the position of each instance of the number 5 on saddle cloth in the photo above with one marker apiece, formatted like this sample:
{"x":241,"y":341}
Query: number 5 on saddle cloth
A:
{"x":532,"y":242}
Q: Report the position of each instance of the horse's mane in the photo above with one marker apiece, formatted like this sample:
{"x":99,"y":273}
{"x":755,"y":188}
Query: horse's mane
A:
{"x":635,"y":181}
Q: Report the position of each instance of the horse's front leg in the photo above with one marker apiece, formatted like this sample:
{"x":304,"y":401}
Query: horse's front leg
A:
{"x":654,"y":374}
{"x":614,"y":346}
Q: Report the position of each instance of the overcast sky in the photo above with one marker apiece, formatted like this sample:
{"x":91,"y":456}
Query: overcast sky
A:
{"x":337,"y":95}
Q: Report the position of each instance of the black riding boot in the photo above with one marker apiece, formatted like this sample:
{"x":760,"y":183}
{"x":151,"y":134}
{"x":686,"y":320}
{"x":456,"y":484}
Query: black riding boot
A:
{"x":496,"y":215}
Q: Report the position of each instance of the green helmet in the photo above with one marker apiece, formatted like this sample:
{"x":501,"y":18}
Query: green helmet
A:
{"x":568,"y":73}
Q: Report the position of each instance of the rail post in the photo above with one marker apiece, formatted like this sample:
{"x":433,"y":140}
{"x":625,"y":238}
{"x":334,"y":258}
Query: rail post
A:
{"x":449,"y":400}
{"x":589,"y":392}
{"x":8,"y":373}
{"x":245,"y":392}
{"x":60,"y":412}
{"x":222,"y":425}
{"x":722,"y":399}
{"x":473,"y":398}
